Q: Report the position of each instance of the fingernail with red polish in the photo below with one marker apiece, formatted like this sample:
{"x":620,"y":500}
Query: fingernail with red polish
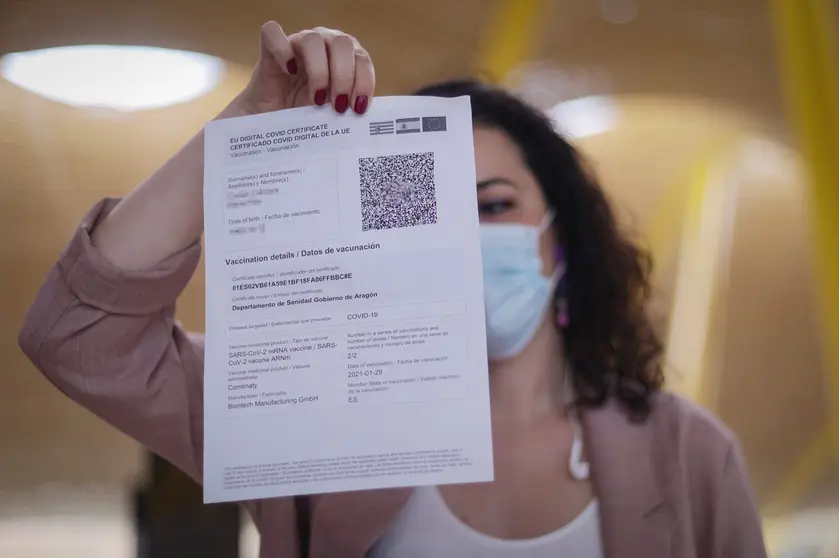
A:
{"x":292,"y":66}
{"x":360,"y":104}
{"x":320,"y":96}
{"x":342,"y":102}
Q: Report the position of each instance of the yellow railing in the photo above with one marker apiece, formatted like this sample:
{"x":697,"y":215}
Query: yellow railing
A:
{"x":511,"y":36}
{"x":808,"y":56}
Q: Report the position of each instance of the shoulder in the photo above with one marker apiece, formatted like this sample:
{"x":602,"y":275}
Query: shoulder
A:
{"x":700,"y":465}
{"x":677,"y":416}
{"x":680,"y":420}
{"x":682,"y":443}
{"x":692,"y":437}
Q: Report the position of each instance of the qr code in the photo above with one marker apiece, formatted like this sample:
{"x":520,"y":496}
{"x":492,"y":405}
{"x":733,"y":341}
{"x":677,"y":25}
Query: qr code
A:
{"x":397,"y":191}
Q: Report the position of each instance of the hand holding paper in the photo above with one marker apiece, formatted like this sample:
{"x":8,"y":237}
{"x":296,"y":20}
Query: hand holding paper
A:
{"x":311,"y":66}
{"x":163,"y":216}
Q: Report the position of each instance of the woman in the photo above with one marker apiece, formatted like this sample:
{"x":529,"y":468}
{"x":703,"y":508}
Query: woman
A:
{"x":641,"y":474}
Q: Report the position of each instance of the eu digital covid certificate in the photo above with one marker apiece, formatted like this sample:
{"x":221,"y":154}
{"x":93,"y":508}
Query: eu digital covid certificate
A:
{"x":345,"y":333}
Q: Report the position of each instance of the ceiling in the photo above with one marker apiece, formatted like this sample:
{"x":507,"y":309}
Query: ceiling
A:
{"x":689,"y":75}
{"x":719,"y":49}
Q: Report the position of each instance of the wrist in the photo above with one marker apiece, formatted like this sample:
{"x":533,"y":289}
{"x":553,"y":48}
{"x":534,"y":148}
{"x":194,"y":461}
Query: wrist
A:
{"x":237,"y":107}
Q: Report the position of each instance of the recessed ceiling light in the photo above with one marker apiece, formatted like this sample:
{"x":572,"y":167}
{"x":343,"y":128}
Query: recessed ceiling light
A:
{"x":585,"y":117}
{"x":618,"y":12}
{"x":125,"y":78}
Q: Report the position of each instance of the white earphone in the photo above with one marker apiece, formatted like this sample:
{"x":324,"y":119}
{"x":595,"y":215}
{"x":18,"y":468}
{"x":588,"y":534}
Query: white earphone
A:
{"x":578,"y":467}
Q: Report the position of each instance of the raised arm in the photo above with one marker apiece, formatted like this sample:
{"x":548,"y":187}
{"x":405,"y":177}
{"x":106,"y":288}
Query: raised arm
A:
{"x":164,"y":215}
{"x":107,"y":338}
{"x":102,"y":327}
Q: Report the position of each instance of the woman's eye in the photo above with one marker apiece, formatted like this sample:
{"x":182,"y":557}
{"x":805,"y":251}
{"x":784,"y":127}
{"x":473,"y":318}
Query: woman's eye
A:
{"x":494,"y":207}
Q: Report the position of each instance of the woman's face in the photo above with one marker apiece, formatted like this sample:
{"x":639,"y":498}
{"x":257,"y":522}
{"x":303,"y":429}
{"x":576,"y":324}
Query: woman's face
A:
{"x":507,"y":190}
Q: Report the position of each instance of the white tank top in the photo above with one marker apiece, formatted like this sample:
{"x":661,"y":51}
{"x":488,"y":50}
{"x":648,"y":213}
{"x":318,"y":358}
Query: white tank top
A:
{"x":427,"y":528}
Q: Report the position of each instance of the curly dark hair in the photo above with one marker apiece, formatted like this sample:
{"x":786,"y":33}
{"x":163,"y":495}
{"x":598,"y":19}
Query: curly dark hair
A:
{"x":610,"y":341}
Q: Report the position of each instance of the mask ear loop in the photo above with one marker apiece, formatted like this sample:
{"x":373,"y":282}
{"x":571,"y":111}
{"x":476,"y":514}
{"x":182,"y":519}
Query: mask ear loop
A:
{"x":577,"y":466}
{"x":544,"y":225}
{"x":547,"y":221}
{"x":559,"y":268}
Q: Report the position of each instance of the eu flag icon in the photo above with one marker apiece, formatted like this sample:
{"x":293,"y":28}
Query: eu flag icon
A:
{"x":434,"y":124}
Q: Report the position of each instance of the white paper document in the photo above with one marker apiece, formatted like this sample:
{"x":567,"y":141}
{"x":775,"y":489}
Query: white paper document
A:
{"x":345,"y":335}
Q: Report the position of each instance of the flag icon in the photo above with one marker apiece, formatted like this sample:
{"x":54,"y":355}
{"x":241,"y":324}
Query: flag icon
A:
{"x":407,"y":125}
{"x":434,"y":124}
{"x":377,"y":128}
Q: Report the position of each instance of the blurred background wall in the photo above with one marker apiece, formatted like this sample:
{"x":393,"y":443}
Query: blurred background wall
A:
{"x":712,"y":124}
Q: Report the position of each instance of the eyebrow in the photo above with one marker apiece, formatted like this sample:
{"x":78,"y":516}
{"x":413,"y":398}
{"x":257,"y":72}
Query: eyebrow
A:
{"x":493,"y":181}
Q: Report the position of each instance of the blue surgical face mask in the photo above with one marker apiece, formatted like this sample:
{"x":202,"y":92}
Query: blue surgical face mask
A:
{"x":516,"y":294}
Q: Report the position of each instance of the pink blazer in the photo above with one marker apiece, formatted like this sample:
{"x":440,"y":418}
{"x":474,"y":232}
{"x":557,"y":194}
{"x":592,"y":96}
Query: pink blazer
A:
{"x":674,"y":486}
